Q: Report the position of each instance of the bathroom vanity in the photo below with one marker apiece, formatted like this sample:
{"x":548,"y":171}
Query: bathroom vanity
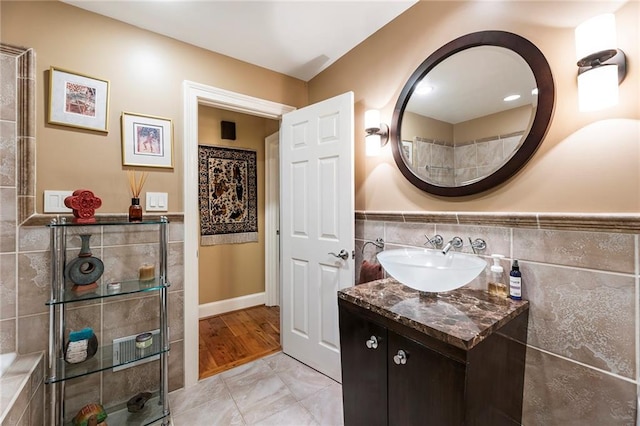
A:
{"x":409,"y":359}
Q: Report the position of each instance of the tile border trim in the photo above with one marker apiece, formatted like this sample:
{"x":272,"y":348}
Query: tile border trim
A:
{"x":597,"y":222}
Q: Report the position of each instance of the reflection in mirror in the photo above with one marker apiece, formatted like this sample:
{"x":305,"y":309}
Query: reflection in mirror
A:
{"x":472,"y":114}
{"x":456,"y":128}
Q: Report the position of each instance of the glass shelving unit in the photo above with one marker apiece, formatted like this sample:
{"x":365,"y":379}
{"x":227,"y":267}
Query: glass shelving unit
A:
{"x":62,"y":296}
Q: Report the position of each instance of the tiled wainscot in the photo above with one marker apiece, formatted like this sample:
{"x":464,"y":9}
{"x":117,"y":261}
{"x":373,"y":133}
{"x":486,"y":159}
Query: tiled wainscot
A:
{"x":581,"y":277}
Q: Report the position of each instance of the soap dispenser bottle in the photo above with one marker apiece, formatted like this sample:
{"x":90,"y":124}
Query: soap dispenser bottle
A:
{"x":515,"y":281}
{"x":497,"y":287}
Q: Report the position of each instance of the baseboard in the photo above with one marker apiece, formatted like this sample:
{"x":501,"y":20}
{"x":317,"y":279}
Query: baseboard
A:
{"x":228,"y":305}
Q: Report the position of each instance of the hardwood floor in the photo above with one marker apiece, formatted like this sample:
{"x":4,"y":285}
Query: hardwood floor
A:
{"x":235,"y":338}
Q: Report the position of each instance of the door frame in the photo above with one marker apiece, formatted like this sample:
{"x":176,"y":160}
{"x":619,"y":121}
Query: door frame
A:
{"x":272,"y":219}
{"x":195,"y":94}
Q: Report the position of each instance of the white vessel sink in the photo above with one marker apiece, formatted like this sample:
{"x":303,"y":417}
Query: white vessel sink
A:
{"x":430,"y":270}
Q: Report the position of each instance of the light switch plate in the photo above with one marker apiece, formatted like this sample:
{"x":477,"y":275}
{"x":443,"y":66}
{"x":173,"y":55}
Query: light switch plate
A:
{"x":54,"y":201}
{"x":157,"y":202}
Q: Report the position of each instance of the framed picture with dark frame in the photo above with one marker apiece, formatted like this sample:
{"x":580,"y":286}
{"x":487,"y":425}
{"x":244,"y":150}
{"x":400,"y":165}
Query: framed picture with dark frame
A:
{"x":147,"y":141}
{"x":78,"y":100}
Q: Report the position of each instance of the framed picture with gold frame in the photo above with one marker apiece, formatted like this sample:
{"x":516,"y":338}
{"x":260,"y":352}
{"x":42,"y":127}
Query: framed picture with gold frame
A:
{"x":78,"y":100}
{"x":147,"y":141}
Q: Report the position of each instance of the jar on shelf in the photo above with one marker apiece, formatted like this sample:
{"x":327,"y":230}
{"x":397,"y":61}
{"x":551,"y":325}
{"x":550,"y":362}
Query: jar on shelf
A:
{"x":135,"y":210}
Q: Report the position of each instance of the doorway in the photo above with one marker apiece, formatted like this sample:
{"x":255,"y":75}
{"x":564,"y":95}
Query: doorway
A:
{"x":196,"y":94}
{"x":321,"y":135}
{"x":231,"y":271}
{"x":235,"y":326}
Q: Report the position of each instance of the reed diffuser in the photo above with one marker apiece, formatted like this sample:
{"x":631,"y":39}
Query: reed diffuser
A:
{"x":135,"y":184}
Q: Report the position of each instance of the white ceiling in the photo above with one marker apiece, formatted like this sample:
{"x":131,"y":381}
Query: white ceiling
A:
{"x":300,"y":38}
{"x":296,"y":38}
{"x":460,"y":90}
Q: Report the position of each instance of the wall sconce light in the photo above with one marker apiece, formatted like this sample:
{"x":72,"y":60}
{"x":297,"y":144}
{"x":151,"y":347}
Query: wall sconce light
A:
{"x":601,"y":65}
{"x":377,"y":133}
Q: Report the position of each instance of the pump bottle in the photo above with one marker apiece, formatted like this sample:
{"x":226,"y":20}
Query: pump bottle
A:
{"x":496,"y":285}
{"x":515,"y":281}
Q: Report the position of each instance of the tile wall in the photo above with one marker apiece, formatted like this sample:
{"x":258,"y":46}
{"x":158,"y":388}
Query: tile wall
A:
{"x":438,"y":156}
{"x":581,"y":275}
{"x":17,"y":187}
{"x":17,"y":133}
{"x":447,"y":164}
{"x":482,"y":157}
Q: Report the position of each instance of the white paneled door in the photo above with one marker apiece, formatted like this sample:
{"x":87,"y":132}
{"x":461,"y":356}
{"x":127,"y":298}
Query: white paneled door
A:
{"x":316,"y":228}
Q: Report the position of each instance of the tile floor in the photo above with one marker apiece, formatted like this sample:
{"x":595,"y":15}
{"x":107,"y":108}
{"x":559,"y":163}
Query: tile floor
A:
{"x":275,"y":390}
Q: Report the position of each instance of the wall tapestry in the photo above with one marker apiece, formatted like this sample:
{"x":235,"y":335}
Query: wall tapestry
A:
{"x":228,"y":195}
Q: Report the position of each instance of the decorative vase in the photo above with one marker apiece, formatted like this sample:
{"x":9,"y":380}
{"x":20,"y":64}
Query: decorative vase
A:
{"x":85,"y":270}
{"x":135,"y":210}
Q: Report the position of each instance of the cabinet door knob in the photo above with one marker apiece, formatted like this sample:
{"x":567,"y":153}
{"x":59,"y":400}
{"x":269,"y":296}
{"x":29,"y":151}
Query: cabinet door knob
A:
{"x":400,"y":358}
{"x":372,"y":343}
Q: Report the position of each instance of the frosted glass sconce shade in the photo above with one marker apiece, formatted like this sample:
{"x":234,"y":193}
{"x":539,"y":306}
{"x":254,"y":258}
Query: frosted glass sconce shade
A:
{"x":601,"y":65}
{"x":598,"y":88}
{"x":372,"y":119}
{"x":596,"y":34}
{"x":373,"y":146}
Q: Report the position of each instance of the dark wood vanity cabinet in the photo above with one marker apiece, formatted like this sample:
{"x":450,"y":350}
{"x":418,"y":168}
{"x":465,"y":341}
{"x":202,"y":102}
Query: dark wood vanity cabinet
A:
{"x":427,"y":389}
{"x":364,"y":388}
{"x":408,"y":378}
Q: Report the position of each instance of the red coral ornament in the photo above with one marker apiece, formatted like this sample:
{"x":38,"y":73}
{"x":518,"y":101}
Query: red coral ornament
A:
{"x":84,"y":205}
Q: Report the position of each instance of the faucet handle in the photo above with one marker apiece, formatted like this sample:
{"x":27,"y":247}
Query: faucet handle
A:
{"x":436,"y":242}
{"x":477,"y":244}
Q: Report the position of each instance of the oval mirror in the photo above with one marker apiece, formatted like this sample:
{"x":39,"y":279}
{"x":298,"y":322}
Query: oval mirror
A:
{"x":472,"y":114}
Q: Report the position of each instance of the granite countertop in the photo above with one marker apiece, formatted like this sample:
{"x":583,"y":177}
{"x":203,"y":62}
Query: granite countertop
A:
{"x":462,"y":317}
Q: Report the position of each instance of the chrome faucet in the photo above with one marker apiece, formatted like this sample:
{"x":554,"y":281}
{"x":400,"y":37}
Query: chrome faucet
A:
{"x":456,"y":242}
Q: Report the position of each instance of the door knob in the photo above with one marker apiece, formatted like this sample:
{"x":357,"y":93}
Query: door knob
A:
{"x":400,"y":358}
{"x":372,"y":343}
{"x":342,"y":255}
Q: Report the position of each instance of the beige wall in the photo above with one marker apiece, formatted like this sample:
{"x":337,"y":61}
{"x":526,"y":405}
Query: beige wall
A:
{"x":501,"y":123}
{"x":146,"y":72}
{"x":425,"y":127}
{"x":233,"y":270}
{"x":589,"y":162}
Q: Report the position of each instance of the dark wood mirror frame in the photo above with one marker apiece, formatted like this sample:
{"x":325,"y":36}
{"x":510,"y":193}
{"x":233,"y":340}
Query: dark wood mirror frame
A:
{"x":546,"y":97}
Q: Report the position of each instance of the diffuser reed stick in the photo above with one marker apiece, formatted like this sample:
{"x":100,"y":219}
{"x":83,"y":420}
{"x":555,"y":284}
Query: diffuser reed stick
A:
{"x":136,"y":184}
